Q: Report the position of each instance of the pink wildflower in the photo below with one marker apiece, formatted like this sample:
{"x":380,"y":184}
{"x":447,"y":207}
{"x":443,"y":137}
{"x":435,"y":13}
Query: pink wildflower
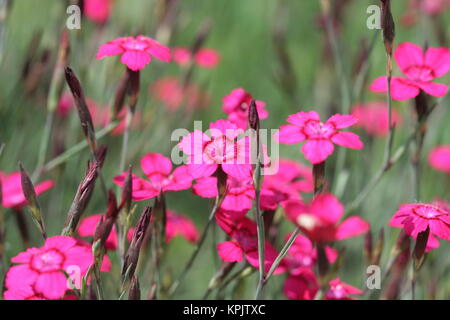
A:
{"x":222,"y":149}
{"x":160,"y":177}
{"x":207,"y":58}
{"x":439,"y":158}
{"x":373,"y":118}
{"x":320,"y":219}
{"x":301,"y":286}
{"x":11,"y":189}
{"x":97,"y":10}
{"x":43,"y":268}
{"x":339,"y":290}
{"x":236,"y":105}
{"x":177,"y":224}
{"x":87,"y":229}
{"x":319,"y":136}
{"x":417,"y":217}
{"x":181,"y":56}
{"x":420,"y":69}
{"x":136,"y":52}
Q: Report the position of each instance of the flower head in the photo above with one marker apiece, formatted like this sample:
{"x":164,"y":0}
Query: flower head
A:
{"x":43,"y":269}
{"x":97,"y":10}
{"x":11,"y":189}
{"x":415,"y":218}
{"x":205,"y":57}
{"x":439,"y":158}
{"x":236,"y":106}
{"x":160,"y":177}
{"x":419,"y":68}
{"x":179,"y":225}
{"x":136,"y":52}
{"x":319,"y":136}
{"x":319,"y":220}
{"x":339,"y":290}
{"x":373,"y":118}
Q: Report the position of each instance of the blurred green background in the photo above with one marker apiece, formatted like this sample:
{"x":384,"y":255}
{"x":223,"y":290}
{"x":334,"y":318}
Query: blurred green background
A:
{"x":243,"y":32}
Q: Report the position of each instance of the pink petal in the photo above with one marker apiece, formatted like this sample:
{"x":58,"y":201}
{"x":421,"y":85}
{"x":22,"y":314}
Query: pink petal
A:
{"x":179,"y":180}
{"x":238,"y":171}
{"x":230,"y":251}
{"x":180,"y":225}
{"x":439,"y":158}
{"x":341,"y":121}
{"x":43,"y":186}
{"x":401,"y":89}
{"x":156,"y":163}
{"x":352,"y":227}
{"x":20,"y":276}
{"x":439,"y":60}
{"x":109,"y":49}
{"x":156,"y":49}
{"x":440,"y":229}
{"x":207,"y":58}
{"x":434,"y":89}
{"x":201,"y":170}
{"x":347,"y":139}
{"x":300,"y":118}
{"x":206,"y":187}
{"x":52,"y":285}
{"x":62,"y":243}
{"x":135,"y":60}
{"x":301,"y":287}
{"x":408,"y":55}
{"x":317,"y":151}
{"x":239,"y":202}
{"x":327,"y":207}
{"x":192,"y":144}
{"x":289,"y":134}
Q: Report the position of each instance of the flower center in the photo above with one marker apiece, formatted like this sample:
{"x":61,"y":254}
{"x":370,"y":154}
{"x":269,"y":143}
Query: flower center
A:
{"x":429,"y":211}
{"x":420,"y":73}
{"x":48,"y":261}
{"x":314,"y":129}
{"x":221,"y":150}
{"x":135,"y":45}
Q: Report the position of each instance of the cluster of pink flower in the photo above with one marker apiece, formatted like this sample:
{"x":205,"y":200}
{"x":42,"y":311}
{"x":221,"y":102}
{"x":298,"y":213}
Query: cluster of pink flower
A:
{"x":219,"y":164}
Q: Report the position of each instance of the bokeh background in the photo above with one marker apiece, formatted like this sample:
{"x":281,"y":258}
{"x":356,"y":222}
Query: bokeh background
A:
{"x":249,"y":35}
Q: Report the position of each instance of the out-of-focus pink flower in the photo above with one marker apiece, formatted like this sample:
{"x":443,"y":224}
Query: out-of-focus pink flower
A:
{"x":428,"y":7}
{"x":97,"y":10}
{"x":320,"y":219}
{"x":417,"y":217}
{"x":302,"y":254}
{"x":87,"y":229}
{"x":439,"y":158}
{"x":319,"y":136}
{"x":170,"y":91}
{"x":339,"y":290}
{"x":136,"y":52}
{"x":43,"y":268}
{"x":301,"y":286}
{"x":207,"y":58}
{"x":27,"y":293}
{"x":236,"y":106}
{"x":11,"y":189}
{"x":245,"y":244}
{"x":420,"y":69}
{"x":179,"y":225}
{"x":221,"y":149}
{"x":373,"y":118}
{"x":160,"y":177}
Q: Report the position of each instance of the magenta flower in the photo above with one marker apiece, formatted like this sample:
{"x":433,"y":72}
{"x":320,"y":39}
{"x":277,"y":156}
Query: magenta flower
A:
{"x":97,"y":10}
{"x":11,"y":189}
{"x":417,"y":217}
{"x":179,"y":225}
{"x":319,"y":136}
{"x":87,"y":229}
{"x":181,"y":56}
{"x":206,"y":57}
{"x":222,"y":149}
{"x":339,"y":290}
{"x":420,"y":69}
{"x":373,"y":118}
{"x":439,"y":158}
{"x":160,"y":177}
{"x":301,"y":286}
{"x":244,"y":244}
{"x":320,"y":219}
{"x":43,"y":268}
{"x":136,"y":52}
{"x":236,"y":105}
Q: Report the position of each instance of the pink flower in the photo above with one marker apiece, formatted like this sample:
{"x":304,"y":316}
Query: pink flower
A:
{"x":43,"y":268}
{"x":171,"y":92}
{"x":160,"y":177}
{"x":428,"y":7}
{"x":245,"y":244}
{"x":373,"y":118}
{"x":302,"y":255}
{"x":222,"y":149}
{"x":320,"y":219}
{"x":236,"y":105}
{"x":420,"y":69}
{"x":439,"y":158}
{"x":301,"y":286}
{"x":339,"y":290}
{"x":11,"y":189}
{"x":417,"y":217}
{"x":179,"y":225}
{"x":319,"y":136}
{"x":136,"y":52}
{"x":207,"y":58}
{"x":97,"y":10}
{"x":87,"y":229}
